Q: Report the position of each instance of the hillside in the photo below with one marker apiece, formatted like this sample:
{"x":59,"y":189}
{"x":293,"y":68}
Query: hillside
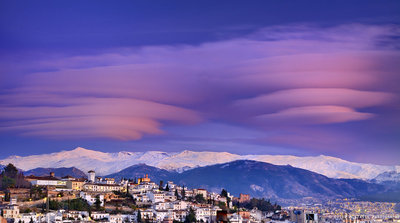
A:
{"x":139,"y":170}
{"x":258,"y":179}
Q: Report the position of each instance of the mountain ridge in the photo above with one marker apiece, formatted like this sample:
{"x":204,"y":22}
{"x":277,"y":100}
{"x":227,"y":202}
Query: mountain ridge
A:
{"x":106,"y":163}
{"x":58,"y":172}
{"x":259,"y":179}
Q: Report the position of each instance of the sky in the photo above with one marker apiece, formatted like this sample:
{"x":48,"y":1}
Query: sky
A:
{"x":260,"y":77}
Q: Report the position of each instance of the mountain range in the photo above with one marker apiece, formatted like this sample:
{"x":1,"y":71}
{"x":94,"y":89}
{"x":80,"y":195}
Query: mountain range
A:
{"x":258,"y":179}
{"x":58,"y":172}
{"x":106,"y":163}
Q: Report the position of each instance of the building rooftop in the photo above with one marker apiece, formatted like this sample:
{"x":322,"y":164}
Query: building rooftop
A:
{"x":101,"y":184}
{"x":32,"y":177}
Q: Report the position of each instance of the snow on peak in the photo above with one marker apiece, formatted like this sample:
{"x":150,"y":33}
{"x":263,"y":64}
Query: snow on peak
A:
{"x":13,"y":157}
{"x":77,"y":149}
{"x":388,"y":176}
{"x":106,"y":163}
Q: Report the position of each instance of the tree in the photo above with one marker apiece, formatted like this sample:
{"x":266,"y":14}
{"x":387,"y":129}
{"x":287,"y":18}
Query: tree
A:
{"x":167,"y":188}
{"x":11,"y":177}
{"x":77,"y":204}
{"x":68,"y":204}
{"x":176,"y":193}
{"x":25,"y":210}
{"x":139,"y":216}
{"x":161,"y":185}
{"x":199,"y":198}
{"x":117,"y":211}
{"x":10,"y":171}
{"x":7,"y":182}
{"x":97,"y":203}
{"x":7,"y":196}
{"x":191,"y":217}
{"x":224,"y":193}
{"x":183,"y":192}
{"x":222,"y":205}
{"x":36,"y":192}
{"x":43,"y":207}
{"x":55,"y":205}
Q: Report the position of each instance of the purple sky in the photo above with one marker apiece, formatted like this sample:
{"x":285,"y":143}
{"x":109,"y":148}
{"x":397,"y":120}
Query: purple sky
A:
{"x":283,"y":80}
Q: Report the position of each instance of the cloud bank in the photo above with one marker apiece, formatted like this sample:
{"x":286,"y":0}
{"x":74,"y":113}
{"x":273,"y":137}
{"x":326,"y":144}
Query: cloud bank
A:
{"x":281,"y":77}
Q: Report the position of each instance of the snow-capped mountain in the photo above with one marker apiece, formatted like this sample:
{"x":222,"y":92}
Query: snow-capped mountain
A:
{"x":107,"y":163}
{"x":391,"y":176}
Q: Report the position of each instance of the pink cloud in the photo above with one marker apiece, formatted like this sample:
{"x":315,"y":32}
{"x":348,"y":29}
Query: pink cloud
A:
{"x":115,"y":127}
{"x":314,"y":97}
{"x":289,"y":74}
{"x":117,"y":118}
{"x":310,"y":115}
{"x":360,"y":70}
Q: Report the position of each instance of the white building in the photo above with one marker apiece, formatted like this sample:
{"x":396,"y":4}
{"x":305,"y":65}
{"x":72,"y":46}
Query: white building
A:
{"x":235,"y":218}
{"x":49,"y":181}
{"x":142,"y":198}
{"x":161,"y":215}
{"x":147,"y":214}
{"x":162,"y":206}
{"x":11,"y":211}
{"x":156,"y":196}
{"x":77,"y":215}
{"x":256,"y":215}
{"x":28,"y":217}
{"x":91,"y":198}
{"x":170,"y":196}
{"x":179,"y":205}
{"x":203,"y":192}
{"x":54,"y":217}
{"x":100,"y":216}
{"x":142,"y":188}
{"x":95,"y":187}
{"x":206,"y":214}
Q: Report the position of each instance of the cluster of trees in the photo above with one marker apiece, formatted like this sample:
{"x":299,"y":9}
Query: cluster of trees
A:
{"x":261,"y":204}
{"x":191,"y":217}
{"x":161,"y":186}
{"x":74,"y":204}
{"x":182,"y":195}
{"x":123,"y":194}
{"x":10,"y":177}
{"x":37,"y":193}
{"x":200,"y":199}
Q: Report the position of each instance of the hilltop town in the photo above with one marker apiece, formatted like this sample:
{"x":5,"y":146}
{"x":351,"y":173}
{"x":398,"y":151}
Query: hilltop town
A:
{"x":67,"y":199}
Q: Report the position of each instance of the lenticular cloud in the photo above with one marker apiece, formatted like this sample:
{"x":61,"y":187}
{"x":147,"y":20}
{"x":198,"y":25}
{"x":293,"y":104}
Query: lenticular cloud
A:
{"x":282,"y":76}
